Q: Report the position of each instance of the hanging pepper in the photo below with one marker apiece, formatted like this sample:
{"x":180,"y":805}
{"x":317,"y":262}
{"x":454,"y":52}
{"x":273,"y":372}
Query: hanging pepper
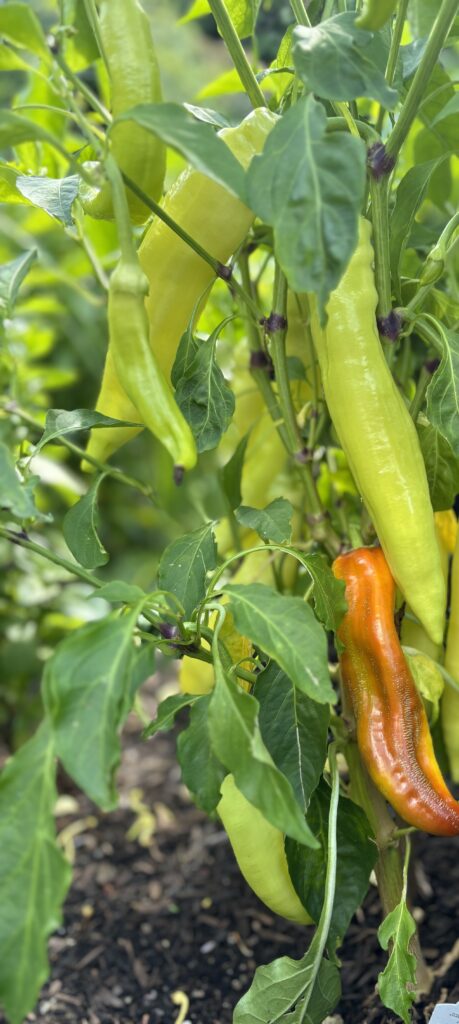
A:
{"x":177,"y":275}
{"x":379,"y":437}
{"x":134,"y":363}
{"x":450,"y":701}
{"x":129,"y":54}
{"x":391,"y":724}
{"x":259,"y":850}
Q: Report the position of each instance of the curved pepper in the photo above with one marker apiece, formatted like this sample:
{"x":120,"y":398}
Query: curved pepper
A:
{"x":379,"y":438}
{"x":130,"y":57}
{"x":450,"y":701}
{"x":392,"y":730}
{"x":176,"y":274}
{"x":259,"y":850}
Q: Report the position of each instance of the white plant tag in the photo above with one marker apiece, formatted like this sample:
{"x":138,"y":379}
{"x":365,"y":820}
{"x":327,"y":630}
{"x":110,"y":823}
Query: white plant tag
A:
{"x":445,"y":1013}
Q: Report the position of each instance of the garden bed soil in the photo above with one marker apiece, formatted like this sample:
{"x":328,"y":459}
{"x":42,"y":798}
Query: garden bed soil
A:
{"x":145,"y":922}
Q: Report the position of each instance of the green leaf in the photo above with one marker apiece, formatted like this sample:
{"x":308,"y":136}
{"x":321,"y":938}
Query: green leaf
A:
{"x":210,"y":116}
{"x":328,"y":592}
{"x":231,"y":474}
{"x":20,"y":26}
{"x":198,"y":9}
{"x":203,"y":395}
{"x":442,"y":466}
{"x":308,"y":185}
{"x":357,"y":856}
{"x":80,"y":528}
{"x":55,"y":195}
{"x":409,"y":196}
{"x":276,"y":988}
{"x":237,"y":742}
{"x":195,"y":140}
{"x":60,"y":422}
{"x":167,"y":711}
{"x":184,"y":566}
{"x":271,"y":523}
{"x":338,"y":61}
{"x":118,"y":591}
{"x":16,"y":495}
{"x":34,"y":876}
{"x":201,"y":770}
{"x":87,"y":694}
{"x":397,"y":983}
{"x":287,"y":630}
{"x":12,"y":275}
{"x":294,"y":729}
{"x":443,"y":392}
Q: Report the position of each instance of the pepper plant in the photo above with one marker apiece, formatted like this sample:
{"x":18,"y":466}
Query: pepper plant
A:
{"x":274,"y":360}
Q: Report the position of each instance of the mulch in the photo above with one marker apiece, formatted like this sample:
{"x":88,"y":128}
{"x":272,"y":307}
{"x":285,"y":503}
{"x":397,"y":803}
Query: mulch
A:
{"x":158,"y":917}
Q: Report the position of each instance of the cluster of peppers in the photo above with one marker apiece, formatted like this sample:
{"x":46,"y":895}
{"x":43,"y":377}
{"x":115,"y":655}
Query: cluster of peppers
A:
{"x":152,"y":296}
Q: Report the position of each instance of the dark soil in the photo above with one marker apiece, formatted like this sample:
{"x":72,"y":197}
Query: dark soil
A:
{"x":144,"y":922}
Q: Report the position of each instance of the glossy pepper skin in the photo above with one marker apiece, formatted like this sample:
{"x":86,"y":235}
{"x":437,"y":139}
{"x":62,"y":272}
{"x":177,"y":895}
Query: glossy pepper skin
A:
{"x":176,"y":275}
{"x":412,"y":633}
{"x":450,"y":699}
{"x":132,"y":67}
{"x":259,"y":851}
{"x":379,"y":438}
{"x":137,"y":367}
{"x":392,"y":730}
{"x":375,"y":14}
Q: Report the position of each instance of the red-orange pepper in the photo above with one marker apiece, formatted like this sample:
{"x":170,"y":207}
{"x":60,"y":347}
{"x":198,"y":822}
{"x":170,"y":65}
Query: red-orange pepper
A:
{"x":392,"y":729}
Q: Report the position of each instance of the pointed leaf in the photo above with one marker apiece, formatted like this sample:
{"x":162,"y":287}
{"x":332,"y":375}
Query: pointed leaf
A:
{"x":397,"y":983}
{"x":328,"y":592}
{"x":34,"y":876}
{"x":167,"y":711}
{"x":271,"y":523}
{"x":287,"y":630}
{"x":87,"y":694}
{"x":195,"y":140}
{"x":338,"y":61}
{"x":55,"y":195}
{"x":184,"y":566}
{"x":60,"y":422}
{"x":80,"y":526}
{"x":295,"y":730}
{"x":308,"y":185}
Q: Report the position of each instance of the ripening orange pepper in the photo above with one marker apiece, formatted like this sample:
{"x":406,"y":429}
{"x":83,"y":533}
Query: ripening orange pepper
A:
{"x":392,"y":729}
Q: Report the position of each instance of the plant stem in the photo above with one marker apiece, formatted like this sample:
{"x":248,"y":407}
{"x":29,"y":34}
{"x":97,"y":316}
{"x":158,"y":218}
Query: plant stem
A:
{"x":418,"y":400}
{"x":174,"y":226}
{"x":278,"y":333}
{"x":300,"y":13}
{"x":236,"y":50}
{"x":389,"y":868}
{"x":393,"y":53}
{"x":90,"y":97}
{"x":409,"y":111}
{"x":380,"y":219}
{"x":71,"y":567}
